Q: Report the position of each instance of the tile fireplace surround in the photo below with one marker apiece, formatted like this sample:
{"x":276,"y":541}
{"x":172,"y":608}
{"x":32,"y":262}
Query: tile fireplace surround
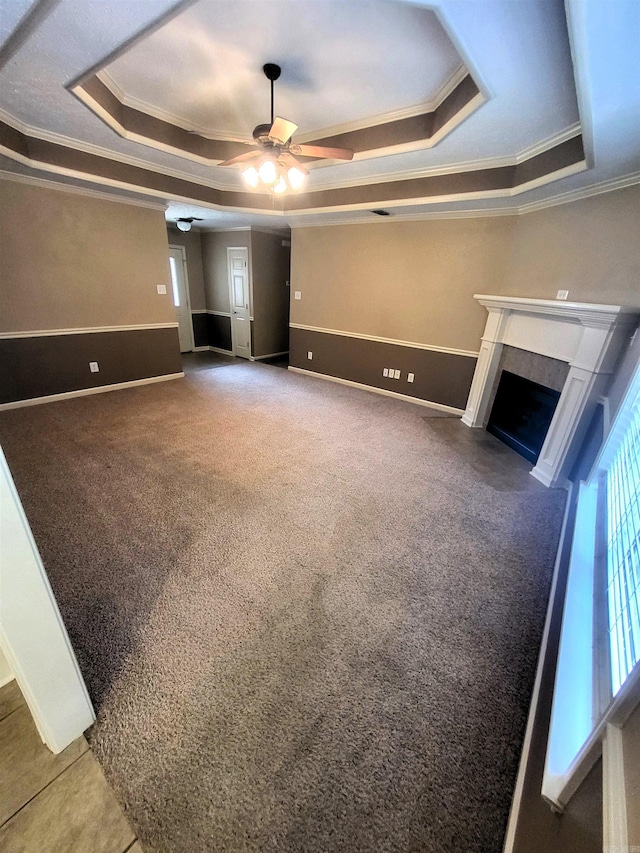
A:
{"x":587,"y":336}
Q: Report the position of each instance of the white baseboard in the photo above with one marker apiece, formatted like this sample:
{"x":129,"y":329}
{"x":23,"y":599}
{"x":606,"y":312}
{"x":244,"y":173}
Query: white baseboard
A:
{"x":201,"y":349}
{"x":518,"y":793}
{"x":221,"y":351}
{"x":270,"y":355}
{"x":83,"y":392}
{"x":428,"y":404}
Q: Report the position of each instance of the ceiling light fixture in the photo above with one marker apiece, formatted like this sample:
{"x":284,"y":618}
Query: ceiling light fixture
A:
{"x":184,"y":222}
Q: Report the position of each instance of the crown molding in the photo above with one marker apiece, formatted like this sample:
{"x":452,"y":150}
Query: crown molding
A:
{"x":44,"y":183}
{"x":98,"y":151}
{"x":550,"y":142}
{"x":346,"y":127}
{"x":164,"y":115}
{"x":475,"y":213}
{"x":395,"y":115}
{"x":629,"y":180}
{"x":466,"y":166}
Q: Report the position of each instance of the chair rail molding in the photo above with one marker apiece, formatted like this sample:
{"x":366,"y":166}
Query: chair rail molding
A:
{"x":587,"y":336}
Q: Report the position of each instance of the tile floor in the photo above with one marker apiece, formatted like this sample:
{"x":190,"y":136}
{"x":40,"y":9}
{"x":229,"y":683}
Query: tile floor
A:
{"x":53,"y":803}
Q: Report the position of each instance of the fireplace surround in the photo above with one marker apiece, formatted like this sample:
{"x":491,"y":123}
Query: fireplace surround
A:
{"x":588,"y":337}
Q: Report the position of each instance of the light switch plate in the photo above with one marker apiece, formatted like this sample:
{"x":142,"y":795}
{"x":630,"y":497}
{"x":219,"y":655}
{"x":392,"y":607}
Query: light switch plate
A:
{"x":562,"y":294}
{"x":385,"y":372}
{"x":396,"y":374}
{"x":297,"y":294}
{"x":93,"y":367}
{"x":410,"y":377}
{"x":309,"y":355}
{"x":162,"y":289}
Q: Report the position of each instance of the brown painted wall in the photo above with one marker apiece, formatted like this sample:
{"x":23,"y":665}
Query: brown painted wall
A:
{"x":192,"y":244}
{"x":55,"y":364}
{"x":589,"y":247}
{"x":439,"y":377}
{"x":270,"y":266}
{"x":72,"y":261}
{"x":214,"y":263}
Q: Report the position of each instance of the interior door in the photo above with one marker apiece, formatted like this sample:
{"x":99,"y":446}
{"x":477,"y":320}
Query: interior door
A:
{"x":180,"y":293}
{"x":238,"y":267}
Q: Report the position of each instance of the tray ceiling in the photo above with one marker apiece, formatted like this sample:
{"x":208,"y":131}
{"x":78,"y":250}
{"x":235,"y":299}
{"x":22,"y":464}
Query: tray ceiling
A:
{"x":451,"y":107}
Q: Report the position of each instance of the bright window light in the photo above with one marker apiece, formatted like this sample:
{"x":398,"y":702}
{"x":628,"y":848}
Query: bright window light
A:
{"x":174,"y":282}
{"x":623,"y":554}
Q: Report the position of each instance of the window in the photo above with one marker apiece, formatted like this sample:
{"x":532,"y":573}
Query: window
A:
{"x":623,"y":554}
{"x":598,"y":666}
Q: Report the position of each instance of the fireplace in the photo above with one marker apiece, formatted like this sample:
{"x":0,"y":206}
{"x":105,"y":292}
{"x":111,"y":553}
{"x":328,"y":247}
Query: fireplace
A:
{"x":522,"y":413}
{"x":586,"y":337}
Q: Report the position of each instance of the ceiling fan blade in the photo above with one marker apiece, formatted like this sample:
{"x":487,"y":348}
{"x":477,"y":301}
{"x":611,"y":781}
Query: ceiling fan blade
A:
{"x":241,"y":158}
{"x":282,"y":130}
{"x":325,"y":153}
{"x":288,"y":160}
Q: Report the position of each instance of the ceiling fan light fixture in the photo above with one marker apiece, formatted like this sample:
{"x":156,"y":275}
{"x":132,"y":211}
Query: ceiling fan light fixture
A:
{"x":281,"y":186}
{"x":251,"y":177}
{"x":295,"y":177}
{"x":268,"y":172}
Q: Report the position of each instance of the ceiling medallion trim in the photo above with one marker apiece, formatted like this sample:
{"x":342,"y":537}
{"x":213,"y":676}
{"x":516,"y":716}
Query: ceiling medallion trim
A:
{"x":564,"y":159}
{"x":371,"y":121}
{"x":410,"y":133}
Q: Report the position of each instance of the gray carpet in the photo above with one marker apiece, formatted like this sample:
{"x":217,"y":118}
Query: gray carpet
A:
{"x":307,"y":619}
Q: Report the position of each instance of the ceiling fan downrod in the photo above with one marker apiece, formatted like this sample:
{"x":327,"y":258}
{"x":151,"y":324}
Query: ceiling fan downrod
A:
{"x":271,"y":72}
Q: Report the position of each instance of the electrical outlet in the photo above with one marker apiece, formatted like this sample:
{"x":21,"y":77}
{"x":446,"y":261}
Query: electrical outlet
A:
{"x":309,"y":355}
{"x":162,"y":289}
{"x":562,"y":294}
{"x":385,"y":372}
{"x":410,"y":377}
{"x":396,"y":374}
{"x":297,"y":294}
{"x":93,"y":367}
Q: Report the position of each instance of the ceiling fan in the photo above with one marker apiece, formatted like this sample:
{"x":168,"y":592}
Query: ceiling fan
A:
{"x":273,"y":162}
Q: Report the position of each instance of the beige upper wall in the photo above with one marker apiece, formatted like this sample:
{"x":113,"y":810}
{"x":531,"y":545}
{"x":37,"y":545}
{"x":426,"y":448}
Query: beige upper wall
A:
{"x":415,"y":281}
{"x":73,"y":261}
{"x":590,"y":248}
{"x":193,"y":248}
{"x":410,"y":281}
{"x":214,"y":263}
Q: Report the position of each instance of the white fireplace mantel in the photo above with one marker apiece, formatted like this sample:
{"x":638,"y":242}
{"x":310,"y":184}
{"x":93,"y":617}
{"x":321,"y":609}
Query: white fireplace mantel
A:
{"x":587,"y":336}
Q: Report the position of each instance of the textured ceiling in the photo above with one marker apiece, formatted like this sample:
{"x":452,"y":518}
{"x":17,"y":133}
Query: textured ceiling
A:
{"x":331,"y":59}
{"x":544,"y":74}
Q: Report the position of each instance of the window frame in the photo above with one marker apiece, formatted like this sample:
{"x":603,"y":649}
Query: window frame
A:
{"x":589,"y":558}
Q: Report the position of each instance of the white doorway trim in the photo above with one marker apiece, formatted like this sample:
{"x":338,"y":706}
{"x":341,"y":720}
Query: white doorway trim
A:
{"x":33,"y":638}
{"x":237,"y":313}
{"x":187,"y":294}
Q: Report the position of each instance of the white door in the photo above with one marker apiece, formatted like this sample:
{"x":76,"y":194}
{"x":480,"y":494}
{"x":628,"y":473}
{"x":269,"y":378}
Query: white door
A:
{"x":238,"y":267}
{"x":180,"y":292}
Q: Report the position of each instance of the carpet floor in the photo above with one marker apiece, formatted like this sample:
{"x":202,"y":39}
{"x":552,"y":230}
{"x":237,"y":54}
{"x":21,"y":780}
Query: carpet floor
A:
{"x":308,"y":619}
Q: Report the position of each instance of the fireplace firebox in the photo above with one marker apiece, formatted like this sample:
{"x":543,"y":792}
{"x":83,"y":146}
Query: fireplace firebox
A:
{"x":522,"y":413}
